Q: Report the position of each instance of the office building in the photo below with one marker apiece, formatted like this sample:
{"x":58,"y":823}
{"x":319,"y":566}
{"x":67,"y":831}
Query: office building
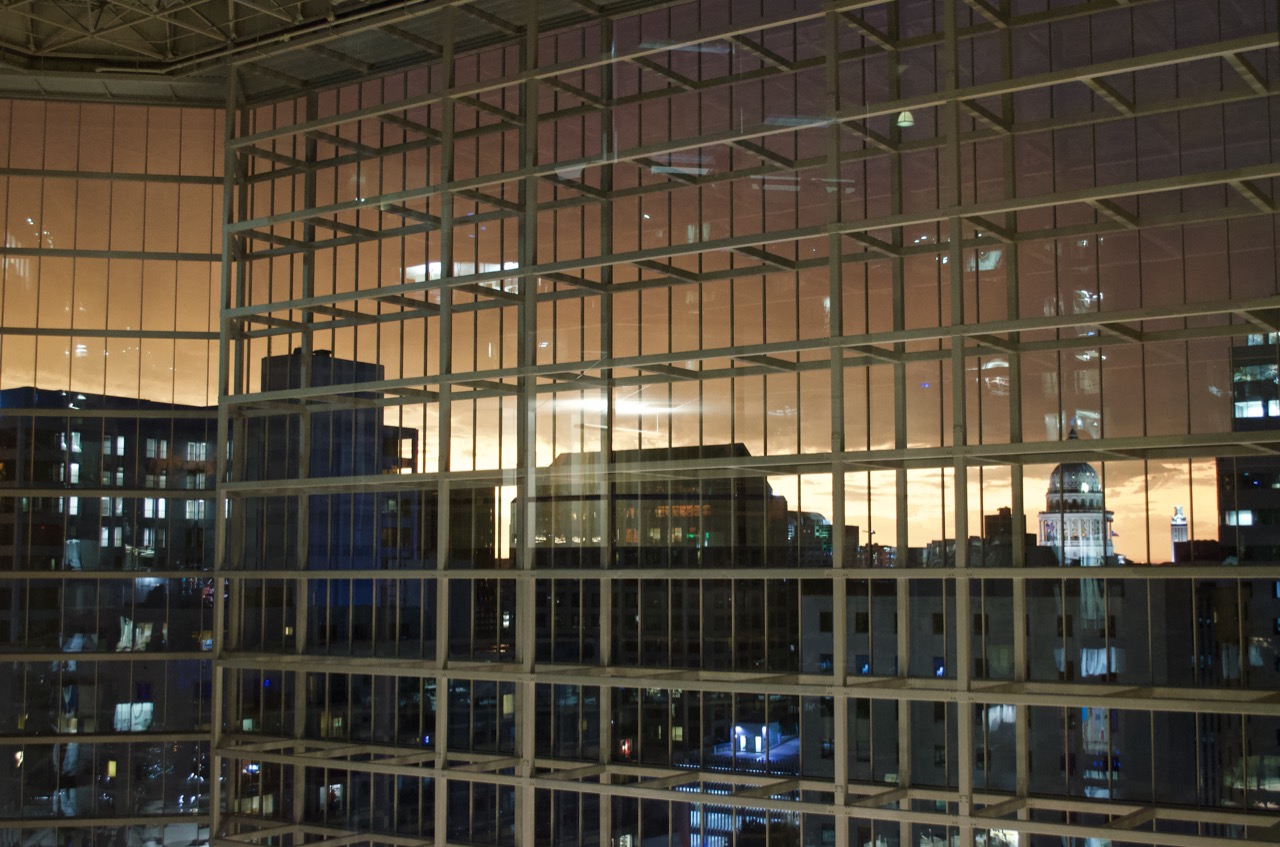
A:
{"x":347,"y":530}
{"x":813,"y":288}
{"x":1249,"y":488}
{"x":106,"y":533}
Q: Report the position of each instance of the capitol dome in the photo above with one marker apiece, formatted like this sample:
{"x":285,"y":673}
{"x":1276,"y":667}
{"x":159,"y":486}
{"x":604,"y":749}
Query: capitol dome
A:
{"x":1073,"y":486}
{"x":1075,"y":522}
{"x":1074,"y":478}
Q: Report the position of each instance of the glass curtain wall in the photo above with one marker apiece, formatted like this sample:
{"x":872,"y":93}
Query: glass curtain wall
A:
{"x":759,"y":423}
{"x":108,"y":346}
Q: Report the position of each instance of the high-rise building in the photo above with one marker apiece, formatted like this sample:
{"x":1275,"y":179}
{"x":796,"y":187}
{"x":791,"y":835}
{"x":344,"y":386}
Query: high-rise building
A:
{"x":1179,"y":532}
{"x":676,"y":352}
{"x":1249,"y":487}
{"x":342,"y":530}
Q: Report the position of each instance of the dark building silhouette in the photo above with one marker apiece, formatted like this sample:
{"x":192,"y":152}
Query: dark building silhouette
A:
{"x":117,"y":494}
{"x":345,"y":439}
{"x":1249,"y":488}
{"x":143,"y":447}
{"x":696,"y":523}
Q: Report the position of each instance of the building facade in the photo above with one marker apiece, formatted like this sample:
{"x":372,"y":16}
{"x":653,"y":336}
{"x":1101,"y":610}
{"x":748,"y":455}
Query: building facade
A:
{"x":107,"y":534}
{"x":1249,"y":488}
{"x":622,"y":419}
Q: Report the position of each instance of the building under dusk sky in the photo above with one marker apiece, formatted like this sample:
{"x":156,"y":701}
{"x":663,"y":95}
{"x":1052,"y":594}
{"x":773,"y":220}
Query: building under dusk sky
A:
{"x":631,"y":423}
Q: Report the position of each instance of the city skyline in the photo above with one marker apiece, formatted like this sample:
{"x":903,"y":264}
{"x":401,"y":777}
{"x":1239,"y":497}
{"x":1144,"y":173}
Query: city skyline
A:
{"x":1199,"y":499}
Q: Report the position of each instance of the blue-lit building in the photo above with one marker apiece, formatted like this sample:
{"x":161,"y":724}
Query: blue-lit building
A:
{"x":346,"y":439}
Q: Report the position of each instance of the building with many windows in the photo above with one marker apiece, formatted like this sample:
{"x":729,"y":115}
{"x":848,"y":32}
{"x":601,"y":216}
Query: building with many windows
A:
{"x":106,"y":538}
{"x":617,"y":423}
{"x":1249,"y":488}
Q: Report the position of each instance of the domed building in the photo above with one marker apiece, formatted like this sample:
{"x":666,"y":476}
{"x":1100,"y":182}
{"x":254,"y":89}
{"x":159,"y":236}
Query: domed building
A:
{"x":1074,"y":522}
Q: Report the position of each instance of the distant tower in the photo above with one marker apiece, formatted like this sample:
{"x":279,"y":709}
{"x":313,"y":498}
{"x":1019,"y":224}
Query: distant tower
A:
{"x":1178,"y":531}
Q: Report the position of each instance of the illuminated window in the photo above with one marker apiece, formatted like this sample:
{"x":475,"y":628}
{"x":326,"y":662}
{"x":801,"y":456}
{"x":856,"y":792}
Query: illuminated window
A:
{"x":1258,"y":373}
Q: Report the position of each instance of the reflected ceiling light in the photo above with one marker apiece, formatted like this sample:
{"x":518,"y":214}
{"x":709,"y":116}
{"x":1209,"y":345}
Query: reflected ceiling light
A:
{"x":906,"y":119}
{"x":700,"y":47}
{"x":622,"y":406}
